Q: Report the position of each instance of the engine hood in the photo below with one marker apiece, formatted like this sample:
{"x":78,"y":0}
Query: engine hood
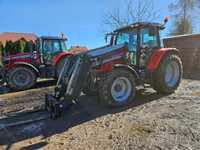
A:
{"x":106,"y":50}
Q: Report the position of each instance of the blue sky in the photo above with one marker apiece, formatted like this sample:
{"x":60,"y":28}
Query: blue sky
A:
{"x":80,"y":20}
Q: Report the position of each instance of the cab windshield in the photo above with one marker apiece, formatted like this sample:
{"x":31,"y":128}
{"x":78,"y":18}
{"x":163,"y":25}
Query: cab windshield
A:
{"x":148,"y":39}
{"x":54,"y":45}
{"x":128,"y":37}
{"x":122,"y":38}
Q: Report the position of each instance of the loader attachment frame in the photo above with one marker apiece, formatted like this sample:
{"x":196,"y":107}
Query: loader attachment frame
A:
{"x":69,"y":86}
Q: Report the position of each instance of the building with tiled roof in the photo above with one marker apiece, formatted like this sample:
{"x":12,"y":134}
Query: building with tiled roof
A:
{"x":12,"y":36}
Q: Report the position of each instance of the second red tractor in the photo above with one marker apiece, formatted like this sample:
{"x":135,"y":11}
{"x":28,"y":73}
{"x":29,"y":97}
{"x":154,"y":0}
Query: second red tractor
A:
{"x":43,"y":58}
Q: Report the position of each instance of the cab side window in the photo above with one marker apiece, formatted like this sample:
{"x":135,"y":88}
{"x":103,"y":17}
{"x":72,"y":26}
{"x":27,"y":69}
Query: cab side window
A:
{"x":56,"y":46}
{"x":50,"y":46}
{"x":148,"y":40}
{"x":47,"y":46}
{"x":122,"y":38}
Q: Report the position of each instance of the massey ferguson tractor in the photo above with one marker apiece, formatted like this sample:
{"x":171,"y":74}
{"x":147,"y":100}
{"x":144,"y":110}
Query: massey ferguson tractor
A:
{"x":43,"y":59}
{"x":133,"y":58}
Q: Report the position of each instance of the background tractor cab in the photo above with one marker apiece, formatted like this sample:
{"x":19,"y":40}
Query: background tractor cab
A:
{"x":51,"y":47}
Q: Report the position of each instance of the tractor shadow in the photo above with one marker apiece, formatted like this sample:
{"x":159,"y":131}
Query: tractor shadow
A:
{"x":40,"y":84}
{"x":87,"y":109}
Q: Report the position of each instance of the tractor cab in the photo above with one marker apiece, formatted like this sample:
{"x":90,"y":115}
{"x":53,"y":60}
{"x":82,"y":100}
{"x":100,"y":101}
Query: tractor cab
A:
{"x":51,"y":46}
{"x":142,"y":39}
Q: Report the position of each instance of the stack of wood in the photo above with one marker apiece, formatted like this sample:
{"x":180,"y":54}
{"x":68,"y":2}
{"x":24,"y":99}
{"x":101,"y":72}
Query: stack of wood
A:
{"x":189,"y":46}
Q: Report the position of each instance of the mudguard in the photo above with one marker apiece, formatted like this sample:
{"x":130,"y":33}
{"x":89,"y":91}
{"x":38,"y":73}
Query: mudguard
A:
{"x":126,"y":67}
{"x":157,"y":57}
{"x":28,"y":65}
{"x":58,"y":57}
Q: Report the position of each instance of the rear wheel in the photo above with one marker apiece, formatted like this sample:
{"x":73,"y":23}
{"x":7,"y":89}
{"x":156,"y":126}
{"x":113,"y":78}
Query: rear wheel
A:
{"x":118,"y":89}
{"x":21,"y":78}
{"x":169,"y":75}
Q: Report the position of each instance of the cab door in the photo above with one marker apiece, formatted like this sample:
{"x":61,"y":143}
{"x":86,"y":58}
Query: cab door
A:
{"x":149,"y":41}
{"x":130,"y":38}
{"x":50,"y":49}
{"x":132,"y":46}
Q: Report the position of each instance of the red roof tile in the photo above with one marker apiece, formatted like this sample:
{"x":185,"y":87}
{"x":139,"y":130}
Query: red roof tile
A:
{"x":12,"y":36}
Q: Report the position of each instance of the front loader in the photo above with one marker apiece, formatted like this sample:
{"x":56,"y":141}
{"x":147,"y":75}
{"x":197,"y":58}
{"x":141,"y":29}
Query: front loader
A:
{"x":134,"y":57}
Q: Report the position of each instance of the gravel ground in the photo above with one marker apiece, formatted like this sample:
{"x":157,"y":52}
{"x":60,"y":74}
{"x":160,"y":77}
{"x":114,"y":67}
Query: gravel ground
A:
{"x":152,"y":122}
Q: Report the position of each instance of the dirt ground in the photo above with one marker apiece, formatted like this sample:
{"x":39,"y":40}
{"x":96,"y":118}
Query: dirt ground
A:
{"x":152,"y":122}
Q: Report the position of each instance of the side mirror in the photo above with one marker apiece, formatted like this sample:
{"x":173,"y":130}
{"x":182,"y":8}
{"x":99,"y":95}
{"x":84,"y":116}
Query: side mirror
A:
{"x":166,"y":19}
{"x":106,"y":38}
{"x":62,"y":35}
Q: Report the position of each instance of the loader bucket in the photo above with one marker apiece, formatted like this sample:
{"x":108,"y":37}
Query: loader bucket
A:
{"x":53,"y":106}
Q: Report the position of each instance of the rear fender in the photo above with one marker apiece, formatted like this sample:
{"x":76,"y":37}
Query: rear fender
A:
{"x":61,"y":55}
{"x":157,"y":57}
{"x":128,"y":68}
{"x":27,"y":65}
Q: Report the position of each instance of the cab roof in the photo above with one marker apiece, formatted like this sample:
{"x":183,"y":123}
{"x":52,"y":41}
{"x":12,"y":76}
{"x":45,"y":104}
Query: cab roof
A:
{"x":52,"y":38}
{"x":140,"y":25}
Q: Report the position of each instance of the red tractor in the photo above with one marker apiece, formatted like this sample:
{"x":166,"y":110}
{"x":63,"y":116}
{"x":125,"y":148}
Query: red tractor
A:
{"x":43,"y":59}
{"x":134,"y":57}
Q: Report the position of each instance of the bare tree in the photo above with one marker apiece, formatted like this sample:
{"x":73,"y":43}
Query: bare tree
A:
{"x":183,"y":12}
{"x":134,"y":11}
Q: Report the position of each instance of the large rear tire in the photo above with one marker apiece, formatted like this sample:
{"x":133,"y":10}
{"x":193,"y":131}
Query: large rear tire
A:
{"x":21,"y":78}
{"x":118,"y":89}
{"x":167,"y":78}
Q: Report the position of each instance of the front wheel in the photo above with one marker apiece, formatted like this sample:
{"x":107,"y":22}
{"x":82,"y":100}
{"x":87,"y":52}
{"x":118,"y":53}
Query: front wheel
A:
{"x":118,"y":89}
{"x":169,"y":74}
